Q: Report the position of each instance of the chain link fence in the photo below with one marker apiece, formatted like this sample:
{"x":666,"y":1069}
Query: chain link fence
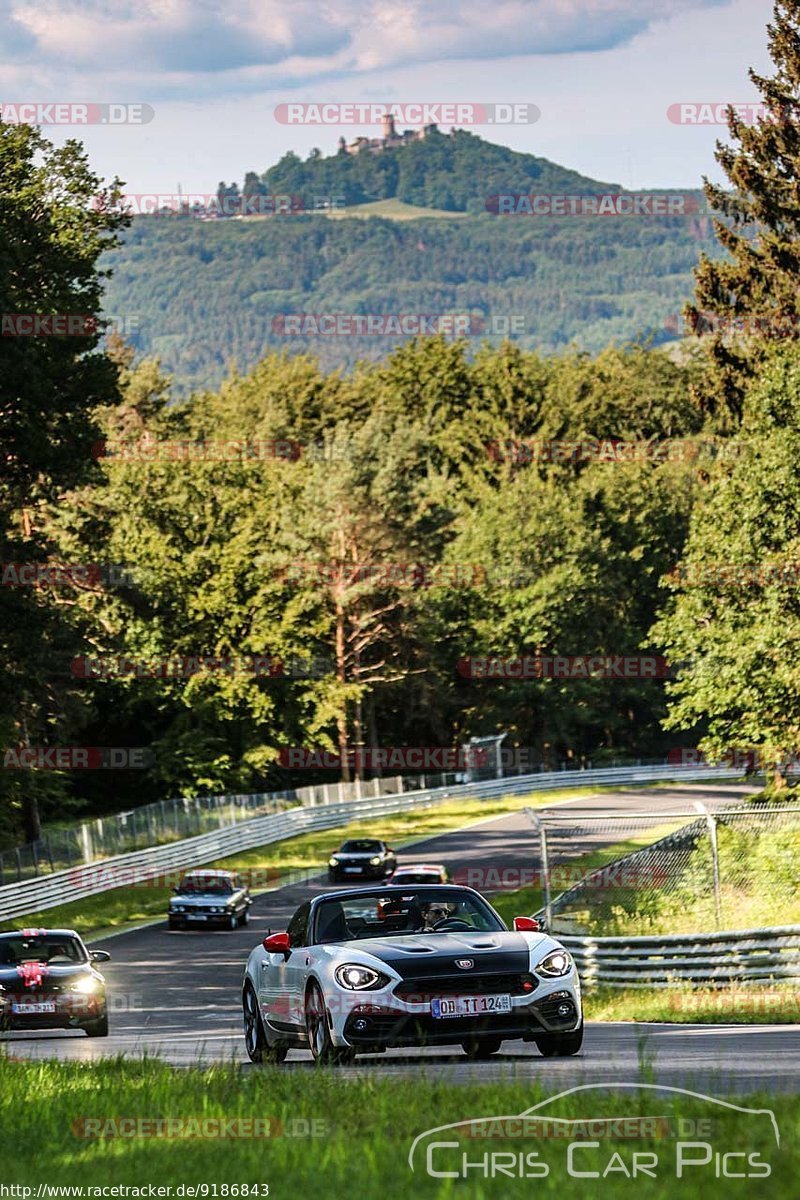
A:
{"x":641,"y":874}
{"x":173,"y":820}
{"x":61,"y":848}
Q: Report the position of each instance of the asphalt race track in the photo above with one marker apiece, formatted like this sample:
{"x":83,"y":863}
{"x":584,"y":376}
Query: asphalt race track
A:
{"x":177,"y":995}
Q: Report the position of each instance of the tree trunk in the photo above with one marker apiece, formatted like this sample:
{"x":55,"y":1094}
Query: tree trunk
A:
{"x":341,"y":721}
{"x":31,"y":820}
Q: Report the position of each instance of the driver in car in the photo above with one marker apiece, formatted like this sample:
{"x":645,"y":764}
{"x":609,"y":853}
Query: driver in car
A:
{"x":432,"y":914}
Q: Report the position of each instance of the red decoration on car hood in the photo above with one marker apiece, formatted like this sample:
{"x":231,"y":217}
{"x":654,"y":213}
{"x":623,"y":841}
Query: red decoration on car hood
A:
{"x":32,"y":973}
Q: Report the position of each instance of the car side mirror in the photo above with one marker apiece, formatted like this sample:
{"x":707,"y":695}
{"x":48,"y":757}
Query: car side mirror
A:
{"x":277,"y":943}
{"x":526,"y":924}
{"x":99,"y":955}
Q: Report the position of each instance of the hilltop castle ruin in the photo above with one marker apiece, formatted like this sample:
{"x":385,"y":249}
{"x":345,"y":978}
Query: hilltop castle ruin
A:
{"x":388,"y":141}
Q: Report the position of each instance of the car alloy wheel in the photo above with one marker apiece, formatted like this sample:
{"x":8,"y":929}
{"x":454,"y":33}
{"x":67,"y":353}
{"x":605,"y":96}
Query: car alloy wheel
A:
{"x":233,"y":921}
{"x":245,"y":917}
{"x":319,"y":1037}
{"x":255,"y":1039}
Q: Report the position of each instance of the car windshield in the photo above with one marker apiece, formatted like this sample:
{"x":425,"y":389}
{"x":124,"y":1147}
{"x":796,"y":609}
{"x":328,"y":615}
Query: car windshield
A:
{"x":392,"y":913}
{"x":207,"y":884}
{"x":41,"y":948}
{"x":361,"y":846}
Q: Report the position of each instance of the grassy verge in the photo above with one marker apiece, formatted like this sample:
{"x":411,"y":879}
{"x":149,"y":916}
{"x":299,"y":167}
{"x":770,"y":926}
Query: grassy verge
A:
{"x":118,"y":907}
{"x":778,"y":1005}
{"x":342,"y":1134}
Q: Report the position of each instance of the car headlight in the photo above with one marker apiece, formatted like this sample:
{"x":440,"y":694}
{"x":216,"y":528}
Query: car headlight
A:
{"x":86,"y":986}
{"x":359,"y":979}
{"x":333,"y":862}
{"x":556,"y":963}
{"x":376,"y":861}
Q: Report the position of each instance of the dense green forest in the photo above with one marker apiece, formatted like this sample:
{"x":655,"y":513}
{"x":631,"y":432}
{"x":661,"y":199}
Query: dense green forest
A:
{"x":367,"y":531}
{"x":206,"y":297}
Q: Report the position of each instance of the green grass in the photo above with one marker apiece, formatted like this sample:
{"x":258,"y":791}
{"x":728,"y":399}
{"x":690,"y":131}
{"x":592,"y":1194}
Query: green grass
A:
{"x":393,"y":210}
{"x":364,"y":1127}
{"x":777,"y":1005}
{"x":119,"y":907}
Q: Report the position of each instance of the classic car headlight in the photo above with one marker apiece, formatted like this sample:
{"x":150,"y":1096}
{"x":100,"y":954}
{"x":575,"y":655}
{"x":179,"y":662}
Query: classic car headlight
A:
{"x":376,"y":861}
{"x":85,"y":986}
{"x":556,"y":963}
{"x":333,"y":862}
{"x":359,"y":979}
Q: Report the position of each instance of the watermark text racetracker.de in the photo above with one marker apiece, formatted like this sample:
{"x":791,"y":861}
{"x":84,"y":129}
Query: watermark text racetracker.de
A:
{"x":406,"y":324}
{"x":66,"y":112}
{"x":564,"y":666}
{"x":603,"y":204}
{"x":76,"y":758}
{"x":462,"y":113}
{"x":198,"y":1127}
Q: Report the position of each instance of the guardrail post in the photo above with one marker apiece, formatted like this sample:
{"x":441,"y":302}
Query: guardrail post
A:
{"x":712,"y":837}
{"x":538,"y":825}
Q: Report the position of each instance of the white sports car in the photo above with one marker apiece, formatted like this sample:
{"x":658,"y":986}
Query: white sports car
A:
{"x":364,"y":969}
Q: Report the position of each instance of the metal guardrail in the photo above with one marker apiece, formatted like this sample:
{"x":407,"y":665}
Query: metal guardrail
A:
{"x":42,"y":892}
{"x":743,"y":956}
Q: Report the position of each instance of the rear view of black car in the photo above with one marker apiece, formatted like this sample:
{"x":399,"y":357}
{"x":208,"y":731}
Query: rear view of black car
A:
{"x":361,"y":858}
{"x":48,"y":981}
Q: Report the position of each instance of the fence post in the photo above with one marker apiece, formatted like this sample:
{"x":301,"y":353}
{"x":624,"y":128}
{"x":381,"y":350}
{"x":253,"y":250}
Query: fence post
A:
{"x":538,"y":825}
{"x":712,"y":837}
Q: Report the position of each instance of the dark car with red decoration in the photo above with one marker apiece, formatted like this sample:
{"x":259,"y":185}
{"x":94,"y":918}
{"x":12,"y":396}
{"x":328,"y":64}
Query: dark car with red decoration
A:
{"x":48,"y":980}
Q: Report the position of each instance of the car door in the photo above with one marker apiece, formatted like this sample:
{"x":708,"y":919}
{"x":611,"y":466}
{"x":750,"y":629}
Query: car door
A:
{"x":280,"y":976}
{"x":295,"y":969}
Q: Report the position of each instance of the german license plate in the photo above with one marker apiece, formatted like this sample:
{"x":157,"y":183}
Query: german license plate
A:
{"x":353,"y":870}
{"x":33,"y":1009}
{"x":470,"y":1006}
{"x":197,"y":917}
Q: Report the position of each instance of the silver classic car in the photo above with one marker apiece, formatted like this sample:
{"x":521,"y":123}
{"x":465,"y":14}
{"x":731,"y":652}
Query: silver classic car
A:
{"x":206,"y":897}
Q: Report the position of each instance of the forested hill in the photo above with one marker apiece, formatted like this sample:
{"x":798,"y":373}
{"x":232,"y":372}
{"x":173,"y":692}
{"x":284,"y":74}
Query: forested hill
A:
{"x":208,"y":295}
{"x":458,"y":172}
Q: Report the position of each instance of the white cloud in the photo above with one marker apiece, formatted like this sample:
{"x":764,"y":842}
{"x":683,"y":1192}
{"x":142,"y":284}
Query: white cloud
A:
{"x":178,"y":47}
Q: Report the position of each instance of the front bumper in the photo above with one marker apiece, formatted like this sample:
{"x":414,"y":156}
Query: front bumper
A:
{"x":200,"y":918}
{"x":356,"y":871}
{"x":72,"y":1010}
{"x":387,"y":1021}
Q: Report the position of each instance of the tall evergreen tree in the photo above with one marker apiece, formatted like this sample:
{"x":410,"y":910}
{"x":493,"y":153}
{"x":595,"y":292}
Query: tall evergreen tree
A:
{"x":55,"y":222}
{"x":759,"y":226}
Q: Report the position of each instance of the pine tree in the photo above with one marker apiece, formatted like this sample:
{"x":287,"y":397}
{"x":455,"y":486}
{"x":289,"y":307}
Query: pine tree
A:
{"x":756,"y":290}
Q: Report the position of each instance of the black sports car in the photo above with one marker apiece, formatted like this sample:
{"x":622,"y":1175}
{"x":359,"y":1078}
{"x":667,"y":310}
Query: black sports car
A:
{"x":48,"y":981}
{"x":361,"y":858}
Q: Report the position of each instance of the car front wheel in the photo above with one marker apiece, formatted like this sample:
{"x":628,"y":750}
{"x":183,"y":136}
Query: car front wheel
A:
{"x":98,"y":1028}
{"x":255,"y":1039}
{"x":483,"y":1047}
{"x":561,"y":1045}
{"x":318,"y":1031}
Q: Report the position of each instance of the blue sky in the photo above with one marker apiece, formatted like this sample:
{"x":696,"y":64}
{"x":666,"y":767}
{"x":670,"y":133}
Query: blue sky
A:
{"x":602,"y":72}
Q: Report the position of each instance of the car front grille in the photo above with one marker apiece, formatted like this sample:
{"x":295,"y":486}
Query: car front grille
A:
{"x":424,"y":988}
